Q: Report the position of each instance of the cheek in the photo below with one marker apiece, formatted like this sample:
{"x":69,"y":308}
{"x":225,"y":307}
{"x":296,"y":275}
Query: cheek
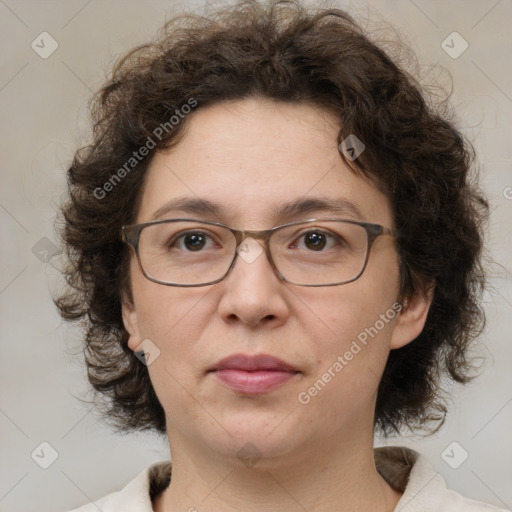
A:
{"x":340,"y":314}
{"x":349,"y":358}
{"x":174,"y":320}
{"x":165,"y":311}
{"x":351,"y":326}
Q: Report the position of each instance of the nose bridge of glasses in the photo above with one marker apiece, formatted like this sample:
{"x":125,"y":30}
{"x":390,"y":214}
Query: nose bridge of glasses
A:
{"x":248,"y":247}
{"x":243,"y":234}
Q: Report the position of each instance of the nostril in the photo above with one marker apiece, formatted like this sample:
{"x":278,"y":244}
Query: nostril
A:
{"x":233,"y":316}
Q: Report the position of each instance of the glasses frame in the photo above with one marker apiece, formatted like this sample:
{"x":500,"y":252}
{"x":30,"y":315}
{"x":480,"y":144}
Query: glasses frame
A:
{"x":131,"y":235}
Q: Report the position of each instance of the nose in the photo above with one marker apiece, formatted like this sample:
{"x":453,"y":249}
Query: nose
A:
{"x":253,"y":294}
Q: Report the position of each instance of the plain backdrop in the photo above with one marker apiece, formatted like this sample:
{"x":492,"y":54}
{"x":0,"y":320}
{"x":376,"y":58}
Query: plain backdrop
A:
{"x":43,"y":115}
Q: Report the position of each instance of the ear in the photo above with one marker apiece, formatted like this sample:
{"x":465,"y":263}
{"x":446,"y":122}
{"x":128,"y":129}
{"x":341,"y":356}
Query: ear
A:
{"x":131,"y":323}
{"x":412,"y":317}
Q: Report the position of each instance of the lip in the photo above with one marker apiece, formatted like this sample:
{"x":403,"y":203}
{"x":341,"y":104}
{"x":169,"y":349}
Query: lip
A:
{"x":253,"y":374}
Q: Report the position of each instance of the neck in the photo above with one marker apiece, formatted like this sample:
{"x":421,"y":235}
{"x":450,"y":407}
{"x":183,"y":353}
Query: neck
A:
{"x":328,"y":478}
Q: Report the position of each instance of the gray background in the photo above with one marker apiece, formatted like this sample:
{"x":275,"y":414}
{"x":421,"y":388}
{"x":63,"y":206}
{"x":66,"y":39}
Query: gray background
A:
{"x":43,"y":106}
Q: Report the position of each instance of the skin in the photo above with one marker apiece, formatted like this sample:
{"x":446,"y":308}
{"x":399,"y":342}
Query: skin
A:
{"x":250,"y":156}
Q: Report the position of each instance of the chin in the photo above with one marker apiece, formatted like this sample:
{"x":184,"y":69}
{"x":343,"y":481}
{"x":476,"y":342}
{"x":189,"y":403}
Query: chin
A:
{"x":267,"y":434}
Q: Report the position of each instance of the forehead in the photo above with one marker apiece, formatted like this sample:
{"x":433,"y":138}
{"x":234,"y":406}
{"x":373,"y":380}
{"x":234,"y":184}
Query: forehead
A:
{"x":251,"y":158}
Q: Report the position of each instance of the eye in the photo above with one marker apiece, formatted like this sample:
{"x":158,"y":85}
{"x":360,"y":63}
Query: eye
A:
{"x":192,"y":241}
{"x":316,"y":241}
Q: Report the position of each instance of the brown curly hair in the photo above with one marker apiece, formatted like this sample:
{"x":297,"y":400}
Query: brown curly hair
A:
{"x":288,"y":53}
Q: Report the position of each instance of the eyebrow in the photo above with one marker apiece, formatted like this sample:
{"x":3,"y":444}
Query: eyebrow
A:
{"x":187,"y":205}
{"x":337,"y":206}
{"x":297,"y":208}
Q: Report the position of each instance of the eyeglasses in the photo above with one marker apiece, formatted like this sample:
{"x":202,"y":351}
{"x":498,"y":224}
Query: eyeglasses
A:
{"x":316,"y":252}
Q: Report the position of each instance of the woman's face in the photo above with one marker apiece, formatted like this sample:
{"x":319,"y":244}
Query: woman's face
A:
{"x":250,"y":158}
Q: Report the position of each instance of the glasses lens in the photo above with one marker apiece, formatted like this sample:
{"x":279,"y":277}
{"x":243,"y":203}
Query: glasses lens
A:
{"x":186,"y":252}
{"x":320,"y":253}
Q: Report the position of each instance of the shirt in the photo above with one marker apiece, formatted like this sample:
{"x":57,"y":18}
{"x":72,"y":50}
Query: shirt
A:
{"x":405,"y":470}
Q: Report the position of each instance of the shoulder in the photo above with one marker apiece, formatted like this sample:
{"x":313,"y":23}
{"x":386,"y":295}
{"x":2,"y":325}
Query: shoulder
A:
{"x":424,"y":490}
{"x":137,"y":495}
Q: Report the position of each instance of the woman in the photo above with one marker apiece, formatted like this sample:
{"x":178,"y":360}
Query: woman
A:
{"x":276,"y":245}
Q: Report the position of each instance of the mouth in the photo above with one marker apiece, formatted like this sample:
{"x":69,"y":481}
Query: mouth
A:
{"x":253,"y":375}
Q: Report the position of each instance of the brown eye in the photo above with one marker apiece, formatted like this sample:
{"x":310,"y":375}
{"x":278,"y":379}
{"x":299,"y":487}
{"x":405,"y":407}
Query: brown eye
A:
{"x":194,"y":241}
{"x":315,"y":241}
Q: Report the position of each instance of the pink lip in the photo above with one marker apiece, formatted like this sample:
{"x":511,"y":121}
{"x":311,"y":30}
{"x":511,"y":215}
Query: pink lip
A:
{"x":253,"y":374}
